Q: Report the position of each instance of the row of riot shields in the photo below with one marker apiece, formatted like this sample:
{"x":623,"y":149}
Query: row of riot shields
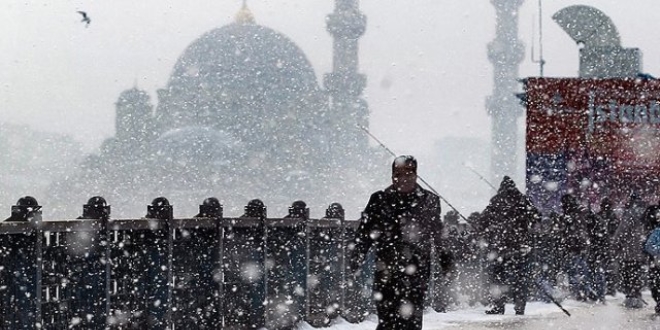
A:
{"x":163,"y":273}
{"x":159,"y":272}
{"x":290,"y":270}
{"x":53,"y":275}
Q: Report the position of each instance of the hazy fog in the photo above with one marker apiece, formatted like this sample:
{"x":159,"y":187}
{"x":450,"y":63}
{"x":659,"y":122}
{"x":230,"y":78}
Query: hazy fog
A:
{"x":426,"y":63}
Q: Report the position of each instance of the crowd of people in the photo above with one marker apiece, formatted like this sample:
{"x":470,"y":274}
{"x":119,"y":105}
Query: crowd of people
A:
{"x":577,"y":253}
{"x":509,"y":252}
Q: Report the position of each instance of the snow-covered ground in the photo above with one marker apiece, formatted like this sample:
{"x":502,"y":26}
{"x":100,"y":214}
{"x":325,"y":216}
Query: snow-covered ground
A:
{"x":434,"y":320}
{"x":538,"y":315}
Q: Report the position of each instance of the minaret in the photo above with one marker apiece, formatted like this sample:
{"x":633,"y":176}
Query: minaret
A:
{"x":345,"y":84}
{"x":134,"y":117}
{"x":505,"y":52}
{"x":244,"y":15}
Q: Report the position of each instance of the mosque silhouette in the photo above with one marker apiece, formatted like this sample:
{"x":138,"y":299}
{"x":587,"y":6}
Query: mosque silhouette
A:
{"x":242,"y":116}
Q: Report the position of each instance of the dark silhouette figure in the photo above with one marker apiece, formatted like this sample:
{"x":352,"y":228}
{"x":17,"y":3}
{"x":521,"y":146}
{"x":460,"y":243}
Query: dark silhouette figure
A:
{"x":24,"y":209}
{"x":85,"y":18}
{"x":96,"y":208}
{"x":577,"y":240}
{"x":505,"y":224}
{"x":210,"y":208}
{"x":298,"y":209}
{"x":610,"y":219}
{"x":160,"y":208}
{"x":652,"y":220}
{"x":335,"y":210}
{"x":628,"y":241}
{"x":255,"y":209}
{"x":402,"y":223}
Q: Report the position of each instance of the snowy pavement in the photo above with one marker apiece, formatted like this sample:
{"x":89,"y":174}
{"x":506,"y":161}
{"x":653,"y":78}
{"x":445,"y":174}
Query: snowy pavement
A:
{"x":538,"y":316}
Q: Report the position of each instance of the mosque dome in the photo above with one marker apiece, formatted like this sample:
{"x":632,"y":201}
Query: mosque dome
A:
{"x":247,"y":80}
{"x":247,"y":52}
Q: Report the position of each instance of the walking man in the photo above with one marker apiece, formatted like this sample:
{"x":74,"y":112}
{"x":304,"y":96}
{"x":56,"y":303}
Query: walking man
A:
{"x":629,"y":239}
{"x":403,"y":225}
{"x":505,"y":224}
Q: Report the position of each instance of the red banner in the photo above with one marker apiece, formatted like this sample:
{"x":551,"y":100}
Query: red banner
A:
{"x":605,"y":133}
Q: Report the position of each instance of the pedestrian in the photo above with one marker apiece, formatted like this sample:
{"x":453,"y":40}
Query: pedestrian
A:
{"x":551,"y":257}
{"x":577,"y":243}
{"x":298,"y":209}
{"x":403,"y":225}
{"x":25,"y":209}
{"x":255,"y":208}
{"x":479,"y":261}
{"x":609,"y":219}
{"x":599,"y":254}
{"x":506,"y":223}
{"x":96,"y":208}
{"x":652,"y":248}
{"x":629,"y":239}
{"x":210,"y":208}
{"x":445,"y":286}
{"x":249,"y":308}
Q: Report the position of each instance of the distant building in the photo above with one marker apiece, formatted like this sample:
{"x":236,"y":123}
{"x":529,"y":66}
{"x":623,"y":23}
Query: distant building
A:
{"x":593,"y":136}
{"x":242,"y":116}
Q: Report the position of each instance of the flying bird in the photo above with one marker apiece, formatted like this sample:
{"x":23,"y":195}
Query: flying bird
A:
{"x":85,"y":18}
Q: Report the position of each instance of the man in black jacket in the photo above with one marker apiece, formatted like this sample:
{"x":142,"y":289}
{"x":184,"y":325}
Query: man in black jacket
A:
{"x":403,"y":225}
{"x":505,"y":225}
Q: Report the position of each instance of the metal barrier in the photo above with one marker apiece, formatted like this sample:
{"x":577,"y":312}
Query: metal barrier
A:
{"x":157,"y":272}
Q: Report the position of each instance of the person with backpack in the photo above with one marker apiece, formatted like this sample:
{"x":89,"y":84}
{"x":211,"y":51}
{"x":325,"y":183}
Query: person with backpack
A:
{"x":506,"y":223}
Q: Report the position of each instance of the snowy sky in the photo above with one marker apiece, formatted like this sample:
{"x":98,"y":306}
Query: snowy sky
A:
{"x":428,"y":73}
